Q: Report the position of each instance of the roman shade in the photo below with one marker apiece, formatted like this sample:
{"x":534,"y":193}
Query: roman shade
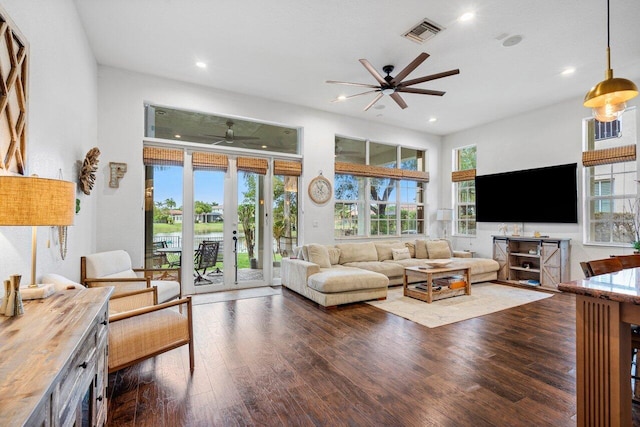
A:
{"x":287,"y":168}
{"x":411,"y":175}
{"x":367,"y":170}
{"x":605,"y":156}
{"x":464,"y":175}
{"x":248,"y":164}
{"x":156,"y":156}
{"x":210,"y":161}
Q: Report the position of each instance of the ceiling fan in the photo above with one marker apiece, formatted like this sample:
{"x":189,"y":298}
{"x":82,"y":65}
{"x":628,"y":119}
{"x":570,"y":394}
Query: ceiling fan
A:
{"x":229,"y":136}
{"x":393,"y":86}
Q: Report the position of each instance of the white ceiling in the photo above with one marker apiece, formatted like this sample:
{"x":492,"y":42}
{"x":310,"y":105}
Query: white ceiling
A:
{"x":286,"y":49}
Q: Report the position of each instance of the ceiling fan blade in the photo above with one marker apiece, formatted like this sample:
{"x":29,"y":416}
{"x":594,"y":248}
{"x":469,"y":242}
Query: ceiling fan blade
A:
{"x":353,"y":96}
{"x":350,"y":84}
{"x":409,"y":68}
{"x":396,"y":97}
{"x":429,"y":78}
{"x":377,"y":98}
{"x":420,"y":91}
{"x":373,"y":72}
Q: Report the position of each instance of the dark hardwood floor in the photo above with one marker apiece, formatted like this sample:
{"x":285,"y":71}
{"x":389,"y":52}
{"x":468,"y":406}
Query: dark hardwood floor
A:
{"x":279,"y":360}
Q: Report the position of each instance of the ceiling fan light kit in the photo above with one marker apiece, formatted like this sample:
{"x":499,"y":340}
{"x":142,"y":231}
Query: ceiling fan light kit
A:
{"x":393,"y":86}
{"x":608,"y":99}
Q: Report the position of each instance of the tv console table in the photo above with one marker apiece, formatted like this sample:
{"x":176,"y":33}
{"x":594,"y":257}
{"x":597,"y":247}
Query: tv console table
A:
{"x":542,"y":261}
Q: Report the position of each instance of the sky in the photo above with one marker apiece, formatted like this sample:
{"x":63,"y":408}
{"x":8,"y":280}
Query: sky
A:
{"x":209,"y":186}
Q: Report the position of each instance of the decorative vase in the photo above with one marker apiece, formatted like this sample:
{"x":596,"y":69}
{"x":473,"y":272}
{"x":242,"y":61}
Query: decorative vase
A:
{"x":14,"y":304}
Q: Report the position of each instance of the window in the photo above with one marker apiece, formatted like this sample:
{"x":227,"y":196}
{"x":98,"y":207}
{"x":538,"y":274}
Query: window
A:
{"x":610,"y":174}
{"x":464,"y":187}
{"x":349,"y":211}
{"x":387,"y":179}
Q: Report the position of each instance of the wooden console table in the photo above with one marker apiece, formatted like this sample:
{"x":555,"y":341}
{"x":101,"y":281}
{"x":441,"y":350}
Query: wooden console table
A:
{"x":606,"y":306}
{"x":53,"y":361}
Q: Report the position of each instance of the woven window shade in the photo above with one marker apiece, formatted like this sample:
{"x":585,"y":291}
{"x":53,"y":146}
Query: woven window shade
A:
{"x":155,"y":156}
{"x":248,"y":164}
{"x":367,"y":170}
{"x":210,"y":161}
{"x":415,"y":175}
{"x":607,"y":156}
{"x":287,"y":168}
{"x":465,"y":175}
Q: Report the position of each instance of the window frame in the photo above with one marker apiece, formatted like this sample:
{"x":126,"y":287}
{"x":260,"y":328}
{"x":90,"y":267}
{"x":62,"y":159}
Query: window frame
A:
{"x":458,"y":190}
{"x":396,"y":225}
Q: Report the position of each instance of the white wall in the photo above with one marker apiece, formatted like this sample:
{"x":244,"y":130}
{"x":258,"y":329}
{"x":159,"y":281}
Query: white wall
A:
{"x":122,"y":96}
{"x":544,"y":137}
{"x":62,"y":128}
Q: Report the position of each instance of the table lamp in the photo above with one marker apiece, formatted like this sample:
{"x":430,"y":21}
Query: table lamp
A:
{"x":36,"y":201}
{"x":444,"y":215}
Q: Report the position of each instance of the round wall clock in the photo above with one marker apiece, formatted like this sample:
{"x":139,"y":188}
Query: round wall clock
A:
{"x":320,"y":190}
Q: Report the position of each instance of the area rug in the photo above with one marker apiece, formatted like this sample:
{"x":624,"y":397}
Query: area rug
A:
{"x":485,"y":298}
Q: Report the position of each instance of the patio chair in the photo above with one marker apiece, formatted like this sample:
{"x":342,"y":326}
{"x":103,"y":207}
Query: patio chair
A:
{"x":113,"y":268}
{"x":206,"y":257}
{"x":159,"y":258}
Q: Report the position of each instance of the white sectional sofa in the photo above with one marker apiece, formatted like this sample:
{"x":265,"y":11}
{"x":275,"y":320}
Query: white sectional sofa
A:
{"x":344,"y":273}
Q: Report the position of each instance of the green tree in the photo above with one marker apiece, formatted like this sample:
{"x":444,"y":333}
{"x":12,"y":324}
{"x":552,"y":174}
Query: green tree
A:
{"x":170,"y":203}
{"x":202,"y":207}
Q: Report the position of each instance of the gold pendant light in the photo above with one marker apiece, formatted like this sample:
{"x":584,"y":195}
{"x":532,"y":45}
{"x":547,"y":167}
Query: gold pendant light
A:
{"x":608,"y":99}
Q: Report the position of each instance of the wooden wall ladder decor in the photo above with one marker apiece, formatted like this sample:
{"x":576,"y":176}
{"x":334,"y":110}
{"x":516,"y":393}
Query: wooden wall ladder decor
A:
{"x":14,"y":65}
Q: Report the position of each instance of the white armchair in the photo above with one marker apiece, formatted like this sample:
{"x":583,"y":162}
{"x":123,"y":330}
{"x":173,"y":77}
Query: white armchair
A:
{"x":114,"y":268}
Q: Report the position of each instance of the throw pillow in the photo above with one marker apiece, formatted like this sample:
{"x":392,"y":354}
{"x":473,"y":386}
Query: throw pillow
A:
{"x":421,"y":249}
{"x":319,"y":254}
{"x":334,"y":255}
{"x":412,"y":248}
{"x":384,"y":249}
{"x":399,"y":254}
{"x":438,"y":249}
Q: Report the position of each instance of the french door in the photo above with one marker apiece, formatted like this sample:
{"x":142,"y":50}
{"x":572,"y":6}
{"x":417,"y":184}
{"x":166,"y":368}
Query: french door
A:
{"x":230,"y":207}
{"x":245,"y":207}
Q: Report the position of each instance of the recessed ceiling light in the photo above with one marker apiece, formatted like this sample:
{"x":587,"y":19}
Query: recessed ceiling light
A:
{"x":342,"y":97}
{"x":177,"y":136}
{"x":568,"y":71}
{"x":201,"y":64}
{"x":433,"y":119}
{"x":264,"y":146}
{"x":466,"y":16}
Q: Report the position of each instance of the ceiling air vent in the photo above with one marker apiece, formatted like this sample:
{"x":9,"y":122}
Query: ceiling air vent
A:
{"x":423,"y":31}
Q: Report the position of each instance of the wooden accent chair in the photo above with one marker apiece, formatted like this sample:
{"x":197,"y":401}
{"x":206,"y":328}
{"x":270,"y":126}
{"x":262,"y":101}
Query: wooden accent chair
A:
{"x":140,"y":329}
{"x":629,"y":261}
{"x":604,"y":266}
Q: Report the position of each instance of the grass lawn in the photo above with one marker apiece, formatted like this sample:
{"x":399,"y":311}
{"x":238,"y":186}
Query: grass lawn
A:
{"x":243,"y":260}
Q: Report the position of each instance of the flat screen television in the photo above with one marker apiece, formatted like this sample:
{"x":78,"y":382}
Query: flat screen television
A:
{"x":546,"y":195}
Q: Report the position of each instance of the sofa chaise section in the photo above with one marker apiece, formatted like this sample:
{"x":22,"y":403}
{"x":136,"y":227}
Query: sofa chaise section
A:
{"x":332,"y":286}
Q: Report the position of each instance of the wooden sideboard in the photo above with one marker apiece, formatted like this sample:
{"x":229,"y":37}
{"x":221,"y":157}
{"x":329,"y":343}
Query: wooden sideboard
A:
{"x":53,"y":361}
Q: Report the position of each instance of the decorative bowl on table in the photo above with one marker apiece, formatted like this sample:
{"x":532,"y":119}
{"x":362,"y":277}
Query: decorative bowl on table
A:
{"x":437,"y":263}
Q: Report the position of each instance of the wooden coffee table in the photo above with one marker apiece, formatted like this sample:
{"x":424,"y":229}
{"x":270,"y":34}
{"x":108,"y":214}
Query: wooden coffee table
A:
{"x":426,"y":275}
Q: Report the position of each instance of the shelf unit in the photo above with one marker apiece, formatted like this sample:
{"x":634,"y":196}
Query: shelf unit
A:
{"x":540,"y":261}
